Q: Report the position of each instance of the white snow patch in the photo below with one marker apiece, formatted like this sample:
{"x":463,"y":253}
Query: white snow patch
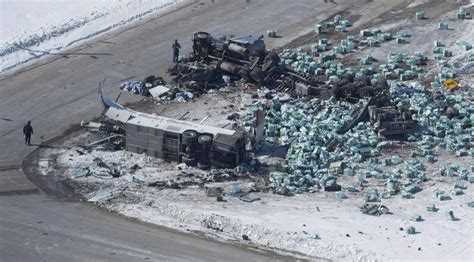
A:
{"x":44,"y":165}
{"x":30,"y":29}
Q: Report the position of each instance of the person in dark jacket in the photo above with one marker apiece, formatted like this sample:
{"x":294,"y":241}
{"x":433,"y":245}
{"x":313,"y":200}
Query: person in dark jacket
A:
{"x":28,"y":131}
{"x":176,"y":46}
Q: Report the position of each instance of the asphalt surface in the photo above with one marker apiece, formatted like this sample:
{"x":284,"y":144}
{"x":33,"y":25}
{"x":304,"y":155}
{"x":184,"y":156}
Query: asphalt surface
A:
{"x":71,"y":231}
{"x":62,"y":90}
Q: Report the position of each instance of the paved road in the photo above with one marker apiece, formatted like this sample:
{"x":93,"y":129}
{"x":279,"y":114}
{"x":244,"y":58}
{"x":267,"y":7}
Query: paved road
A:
{"x":65,"y":231}
{"x":61,"y":92}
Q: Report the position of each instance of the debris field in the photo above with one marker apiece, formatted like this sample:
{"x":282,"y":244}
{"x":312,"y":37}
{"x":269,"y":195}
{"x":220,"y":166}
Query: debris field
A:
{"x":355,"y":145}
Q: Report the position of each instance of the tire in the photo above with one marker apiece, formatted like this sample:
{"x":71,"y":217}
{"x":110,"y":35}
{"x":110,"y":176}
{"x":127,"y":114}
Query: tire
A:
{"x":205,"y":139}
{"x":200,"y":36}
{"x":365,"y":92}
{"x":190,"y":137}
{"x":189,"y":161}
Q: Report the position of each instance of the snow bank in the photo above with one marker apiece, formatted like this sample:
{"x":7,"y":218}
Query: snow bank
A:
{"x":31,"y":29}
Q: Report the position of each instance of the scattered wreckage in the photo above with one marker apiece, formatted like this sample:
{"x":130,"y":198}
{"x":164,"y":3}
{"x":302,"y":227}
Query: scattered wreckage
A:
{"x":363,"y":107}
{"x":246,"y":58}
{"x":242,"y":58}
{"x":145,"y":87}
{"x":333,"y":146}
{"x":374,"y":209}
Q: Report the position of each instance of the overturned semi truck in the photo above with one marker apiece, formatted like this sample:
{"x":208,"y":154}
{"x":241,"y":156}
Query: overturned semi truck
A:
{"x":245,"y":58}
{"x":176,"y":140}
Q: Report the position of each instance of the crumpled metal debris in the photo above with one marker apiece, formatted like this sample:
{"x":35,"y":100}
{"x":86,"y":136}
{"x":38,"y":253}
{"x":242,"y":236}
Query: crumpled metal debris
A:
{"x":142,"y":87}
{"x":374,"y":209}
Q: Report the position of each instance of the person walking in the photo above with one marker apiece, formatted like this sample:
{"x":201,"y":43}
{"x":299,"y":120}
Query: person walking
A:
{"x":28,"y":131}
{"x":176,"y":46}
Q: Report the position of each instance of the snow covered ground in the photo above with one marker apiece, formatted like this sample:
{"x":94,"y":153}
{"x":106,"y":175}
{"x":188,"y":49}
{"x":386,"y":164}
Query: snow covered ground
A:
{"x":30,"y":29}
{"x":319,"y":225}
